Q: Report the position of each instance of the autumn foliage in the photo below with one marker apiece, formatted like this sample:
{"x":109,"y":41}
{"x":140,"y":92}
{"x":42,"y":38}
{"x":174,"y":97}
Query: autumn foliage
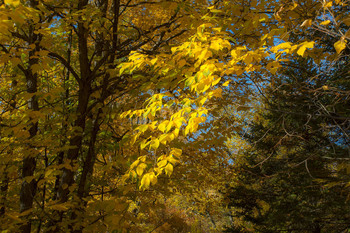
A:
{"x":124,"y":115}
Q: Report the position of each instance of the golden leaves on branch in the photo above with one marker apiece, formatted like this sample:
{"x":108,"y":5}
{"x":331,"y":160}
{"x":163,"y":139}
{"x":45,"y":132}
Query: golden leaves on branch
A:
{"x":197,"y":71}
{"x":165,"y":164}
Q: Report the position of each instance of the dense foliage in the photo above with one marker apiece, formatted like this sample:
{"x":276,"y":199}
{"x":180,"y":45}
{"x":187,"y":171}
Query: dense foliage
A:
{"x":122,"y":115}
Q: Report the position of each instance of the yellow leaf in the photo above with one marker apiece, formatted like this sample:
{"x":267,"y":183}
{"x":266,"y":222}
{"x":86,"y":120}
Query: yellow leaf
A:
{"x":301,"y":51}
{"x":142,"y":158}
{"x":162,"y":126}
{"x":154,"y":60}
{"x":202,"y":101}
{"x":169,"y":126}
{"x":134,"y":138}
{"x":134,"y":164}
{"x":178,"y":122}
{"x":340,"y":45}
{"x":59,"y":207}
{"x":324,"y":23}
{"x":162,"y":157}
{"x":216,"y":81}
{"x":144,"y":143}
{"x":140,"y":169}
{"x":12,"y":2}
{"x":48,"y":172}
{"x":125,"y":114}
{"x":200,"y":30}
{"x":304,"y":46}
{"x":177,"y":152}
{"x":188,"y":128}
{"x":215,"y":45}
{"x":145,"y":181}
{"x":172,"y":160}
{"x":294,"y":6}
{"x":29,"y":179}
{"x":204,"y":55}
{"x":217,"y":93}
{"x":132,"y":174}
{"x":325,"y":88}
{"x":153,"y":178}
{"x":176,"y":132}
{"x":328,"y":4}
{"x":162,"y":163}
{"x":169,"y":169}
{"x":142,"y":128}
{"x":225,"y":84}
{"x":286,"y":45}
{"x":307,"y":23}
{"x":163,"y":139}
{"x":43,"y":53}
{"x":154,"y":144}
{"x":171,"y":137}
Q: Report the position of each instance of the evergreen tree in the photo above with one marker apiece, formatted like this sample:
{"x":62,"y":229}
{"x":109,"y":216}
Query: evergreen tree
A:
{"x":295,"y":175}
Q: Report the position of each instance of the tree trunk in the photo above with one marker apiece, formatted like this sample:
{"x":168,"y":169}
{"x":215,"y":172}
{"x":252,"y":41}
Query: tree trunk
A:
{"x":28,"y":188}
{"x":4,"y":187}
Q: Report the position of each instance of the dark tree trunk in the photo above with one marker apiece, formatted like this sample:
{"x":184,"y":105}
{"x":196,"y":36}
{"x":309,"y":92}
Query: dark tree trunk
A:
{"x":28,"y":188}
{"x":4,"y":187}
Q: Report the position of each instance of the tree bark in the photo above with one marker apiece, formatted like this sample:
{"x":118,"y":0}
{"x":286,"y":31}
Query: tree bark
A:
{"x":3,"y":188}
{"x":75,"y":143}
{"x":28,"y":187}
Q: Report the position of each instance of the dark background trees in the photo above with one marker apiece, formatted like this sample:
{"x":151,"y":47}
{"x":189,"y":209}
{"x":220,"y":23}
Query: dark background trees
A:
{"x":295,"y":175}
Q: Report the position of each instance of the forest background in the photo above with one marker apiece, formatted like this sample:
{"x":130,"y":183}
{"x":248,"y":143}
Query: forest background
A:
{"x":174,"y":116}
